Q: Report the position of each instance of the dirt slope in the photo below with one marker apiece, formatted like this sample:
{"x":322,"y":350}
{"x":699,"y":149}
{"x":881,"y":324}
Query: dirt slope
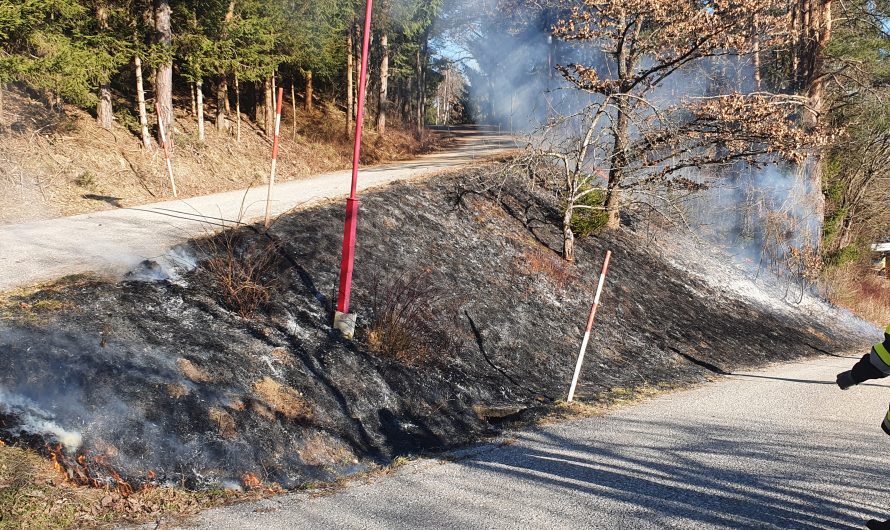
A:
{"x":161,"y":378}
{"x":59,"y":164}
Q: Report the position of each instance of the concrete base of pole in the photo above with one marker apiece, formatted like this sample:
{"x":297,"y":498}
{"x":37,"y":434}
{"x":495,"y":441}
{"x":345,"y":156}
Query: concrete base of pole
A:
{"x":345,"y":324}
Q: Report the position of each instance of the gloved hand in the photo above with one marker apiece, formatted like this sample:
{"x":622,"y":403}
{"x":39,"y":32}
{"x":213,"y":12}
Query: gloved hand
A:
{"x":845,"y":380}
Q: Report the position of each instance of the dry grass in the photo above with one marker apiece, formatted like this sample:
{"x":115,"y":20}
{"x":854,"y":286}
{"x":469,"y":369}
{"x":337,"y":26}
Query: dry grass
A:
{"x":319,"y":449}
{"x":35,"y":303}
{"x":283,"y":399}
{"x":538,"y":263}
{"x":192,"y":371}
{"x":54,"y":165}
{"x":35,"y":495}
{"x":225,"y":423}
{"x":857,"y":288}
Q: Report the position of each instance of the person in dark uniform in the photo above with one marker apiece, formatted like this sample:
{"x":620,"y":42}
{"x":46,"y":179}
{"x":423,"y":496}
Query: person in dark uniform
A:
{"x":873,"y":365}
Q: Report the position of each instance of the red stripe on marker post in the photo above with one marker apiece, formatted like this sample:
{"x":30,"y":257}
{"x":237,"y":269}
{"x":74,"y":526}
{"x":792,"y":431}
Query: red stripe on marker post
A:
{"x":596,"y":303}
{"x":275,"y":142}
{"x":163,"y":134}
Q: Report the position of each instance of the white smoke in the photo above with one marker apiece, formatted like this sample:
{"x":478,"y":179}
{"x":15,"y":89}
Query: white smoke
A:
{"x":37,"y":421}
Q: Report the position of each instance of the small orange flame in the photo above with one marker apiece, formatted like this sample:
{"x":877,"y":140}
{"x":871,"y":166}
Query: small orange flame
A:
{"x":123,"y":487}
{"x":251,"y":481}
{"x":55,"y":454}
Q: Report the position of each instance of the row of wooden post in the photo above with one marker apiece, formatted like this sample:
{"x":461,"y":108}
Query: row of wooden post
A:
{"x":166,"y":140}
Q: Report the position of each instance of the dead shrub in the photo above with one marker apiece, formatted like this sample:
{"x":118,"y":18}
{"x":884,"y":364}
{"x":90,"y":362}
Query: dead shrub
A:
{"x":245,"y":269}
{"x":412,"y":319}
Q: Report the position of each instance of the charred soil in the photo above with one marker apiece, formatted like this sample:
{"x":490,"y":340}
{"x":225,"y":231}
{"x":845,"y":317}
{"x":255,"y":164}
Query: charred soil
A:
{"x":173,"y":381}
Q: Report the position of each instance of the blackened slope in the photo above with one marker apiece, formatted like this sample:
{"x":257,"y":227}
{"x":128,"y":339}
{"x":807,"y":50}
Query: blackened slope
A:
{"x":113,"y":366}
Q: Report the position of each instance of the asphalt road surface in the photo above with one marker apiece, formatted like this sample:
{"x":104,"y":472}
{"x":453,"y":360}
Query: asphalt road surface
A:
{"x":113,"y":242}
{"x":777,"y":448}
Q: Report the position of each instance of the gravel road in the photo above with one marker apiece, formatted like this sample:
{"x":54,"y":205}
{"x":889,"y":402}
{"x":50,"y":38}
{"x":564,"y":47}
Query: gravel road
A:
{"x":777,"y":448}
{"x":113,"y":242}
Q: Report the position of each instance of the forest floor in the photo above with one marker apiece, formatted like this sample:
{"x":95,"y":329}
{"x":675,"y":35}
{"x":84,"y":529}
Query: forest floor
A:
{"x":56,"y":164}
{"x":214,"y":378}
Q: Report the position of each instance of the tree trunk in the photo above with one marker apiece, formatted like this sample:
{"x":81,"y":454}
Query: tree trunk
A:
{"x":309,"y":89}
{"x":421,"y":93}
{"x":619,"y":161}
{"x":140,"y":101}
{"x":819,"y":28}
{"x":199,"y":93}
{"x":758,"y":73}
{"x":446,"y":103}
{"x":268,"y":108}
{"x":383,"y":106}
{"x":164,"y":75}
{"x":237,"y":110}
{"x":2,"y":90}
{"x":258,"y":110}
{"x":350,"y":81}
{"x":222,"y":103}
{"x":293,"y":103}
{"x":274,"y":96}
{"x":568,"y":237}
{"x":104,"y":109}
{"x":194,"y":98}
{"x":224,"y":88}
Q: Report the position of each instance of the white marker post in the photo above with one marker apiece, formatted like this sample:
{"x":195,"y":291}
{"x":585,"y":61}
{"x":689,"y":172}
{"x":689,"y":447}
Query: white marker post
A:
{"x":596,"y":303}
{"x":275,"y":143}
{"x":166,"y":148}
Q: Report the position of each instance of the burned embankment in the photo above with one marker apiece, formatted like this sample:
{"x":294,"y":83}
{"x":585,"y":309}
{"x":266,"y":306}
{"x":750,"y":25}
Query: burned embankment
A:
{"x":225,"y":371}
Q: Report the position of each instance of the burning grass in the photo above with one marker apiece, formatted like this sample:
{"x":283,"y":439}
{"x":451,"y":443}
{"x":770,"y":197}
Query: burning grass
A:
{"x":37,"y":493}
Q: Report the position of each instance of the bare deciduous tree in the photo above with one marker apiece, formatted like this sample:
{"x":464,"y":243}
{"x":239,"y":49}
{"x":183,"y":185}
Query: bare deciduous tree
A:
{"x":645,"y":130}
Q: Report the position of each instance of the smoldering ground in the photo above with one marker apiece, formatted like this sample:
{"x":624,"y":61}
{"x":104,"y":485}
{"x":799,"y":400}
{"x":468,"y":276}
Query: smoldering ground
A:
{"x":165,"y":381}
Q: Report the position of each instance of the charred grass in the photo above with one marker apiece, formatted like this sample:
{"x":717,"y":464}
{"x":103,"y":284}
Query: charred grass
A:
{"x":463,"y":305}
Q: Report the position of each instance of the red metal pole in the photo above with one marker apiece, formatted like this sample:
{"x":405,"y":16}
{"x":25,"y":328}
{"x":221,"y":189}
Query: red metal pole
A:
{"x":348,"y":259}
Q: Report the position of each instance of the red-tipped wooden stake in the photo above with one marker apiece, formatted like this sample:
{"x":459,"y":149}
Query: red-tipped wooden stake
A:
{"x":166,"y":148}
{"x":596,"y":303}
{"x":275,"y":143}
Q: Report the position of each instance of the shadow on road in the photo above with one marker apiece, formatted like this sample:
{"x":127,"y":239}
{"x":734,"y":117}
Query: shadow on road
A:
{"x":759,"y":485}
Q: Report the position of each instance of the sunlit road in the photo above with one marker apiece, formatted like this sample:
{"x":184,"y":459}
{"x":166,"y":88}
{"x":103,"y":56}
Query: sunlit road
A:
{"x":113,"y":242}
{"x":779,"y":448}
